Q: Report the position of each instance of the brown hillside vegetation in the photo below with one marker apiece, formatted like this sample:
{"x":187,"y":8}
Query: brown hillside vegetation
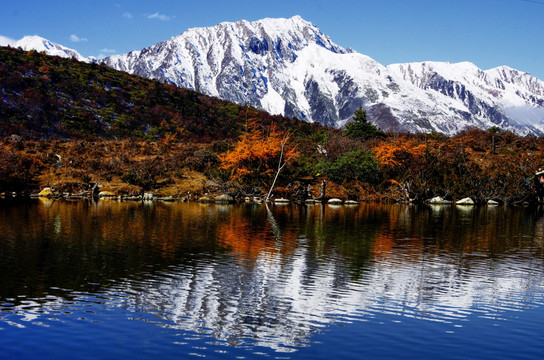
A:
{"x":475,"y":163}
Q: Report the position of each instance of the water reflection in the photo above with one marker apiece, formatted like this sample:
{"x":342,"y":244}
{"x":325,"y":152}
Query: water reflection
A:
{"x":268,"y":276}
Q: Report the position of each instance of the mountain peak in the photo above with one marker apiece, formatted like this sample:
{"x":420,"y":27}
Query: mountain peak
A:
{"x":294,"y":32}
{"x":296,"y":20}
{"x":34,"y":42}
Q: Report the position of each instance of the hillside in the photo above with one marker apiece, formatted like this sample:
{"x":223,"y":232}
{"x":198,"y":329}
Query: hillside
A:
{"x":49,"y":96}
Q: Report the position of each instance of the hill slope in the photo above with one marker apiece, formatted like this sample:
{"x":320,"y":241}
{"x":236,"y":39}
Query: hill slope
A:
{"x":45,"y":96}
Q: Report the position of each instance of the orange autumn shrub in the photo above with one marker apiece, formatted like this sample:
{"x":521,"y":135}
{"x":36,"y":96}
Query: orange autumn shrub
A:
{"x":256,"y":154}
{"x":399,"y":152}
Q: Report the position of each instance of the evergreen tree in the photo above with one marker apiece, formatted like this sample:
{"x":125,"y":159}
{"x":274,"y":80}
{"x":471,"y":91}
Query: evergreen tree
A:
{"x":360,"y":127}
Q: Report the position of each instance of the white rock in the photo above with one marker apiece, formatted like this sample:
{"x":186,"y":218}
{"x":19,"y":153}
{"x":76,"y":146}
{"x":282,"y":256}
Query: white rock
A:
{"x":224,"y":198}
{"x":437,"y":200}
{"x":465,"y":201}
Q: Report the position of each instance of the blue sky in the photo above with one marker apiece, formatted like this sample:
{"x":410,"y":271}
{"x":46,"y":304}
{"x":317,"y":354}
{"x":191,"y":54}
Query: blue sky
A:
{"x":488,"y":33}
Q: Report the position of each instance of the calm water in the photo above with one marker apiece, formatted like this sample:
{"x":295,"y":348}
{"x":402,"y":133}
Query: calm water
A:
{"x":174,"y":281}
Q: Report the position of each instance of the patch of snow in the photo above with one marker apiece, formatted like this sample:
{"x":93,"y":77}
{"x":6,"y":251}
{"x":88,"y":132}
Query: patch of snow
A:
{"x":5,"y":41}
{"x":273,"y":102}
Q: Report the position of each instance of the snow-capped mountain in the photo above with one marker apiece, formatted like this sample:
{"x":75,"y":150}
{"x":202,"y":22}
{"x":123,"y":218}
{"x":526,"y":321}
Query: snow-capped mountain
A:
{"x":289,"y":67}
{"x":39,"y":44}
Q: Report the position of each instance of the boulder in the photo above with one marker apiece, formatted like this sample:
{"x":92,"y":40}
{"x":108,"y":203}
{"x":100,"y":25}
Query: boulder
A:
{"x":465,"y":201}
{"x":492,"y":203}
{"x":437,"y":200}
{"x":131,"y":198}
{"x":166,"y":198}
{"x":281,"y":201}
{"x":47,"y":191}
{"x":335,"y":201}
{"x":205,"y":199}
{"x":224,"y":198}
{"x":351,"y":202}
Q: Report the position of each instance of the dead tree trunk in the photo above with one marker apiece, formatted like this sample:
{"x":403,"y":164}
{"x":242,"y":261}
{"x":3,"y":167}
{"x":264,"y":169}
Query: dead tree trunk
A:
{"x":280,"y":165}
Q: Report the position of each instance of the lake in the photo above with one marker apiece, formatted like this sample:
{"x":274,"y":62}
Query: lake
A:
{"x":117,"y":280}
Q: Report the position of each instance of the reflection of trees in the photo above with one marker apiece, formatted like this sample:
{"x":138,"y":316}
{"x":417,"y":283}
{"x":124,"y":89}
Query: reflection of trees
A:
{"x":348,"y":231}
{"x":251,"y":232}
{"x":277,"y":274}
{"x":73,"y":244}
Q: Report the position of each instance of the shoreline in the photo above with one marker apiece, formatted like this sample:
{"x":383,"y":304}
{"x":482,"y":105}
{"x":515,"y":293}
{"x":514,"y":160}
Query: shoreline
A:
{"x":221,"y":200}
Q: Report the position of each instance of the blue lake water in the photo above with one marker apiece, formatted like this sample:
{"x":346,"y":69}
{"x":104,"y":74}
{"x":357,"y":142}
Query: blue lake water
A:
{"x":112,"y":280}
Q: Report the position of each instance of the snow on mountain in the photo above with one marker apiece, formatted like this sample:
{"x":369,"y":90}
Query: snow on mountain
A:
{"x":39,"y":44}
{"x":242,"y":62}
{"x":497,"y":97}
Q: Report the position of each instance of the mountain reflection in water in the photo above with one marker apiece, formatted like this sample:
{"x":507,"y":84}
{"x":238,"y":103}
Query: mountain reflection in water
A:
{"x":268,"y":276}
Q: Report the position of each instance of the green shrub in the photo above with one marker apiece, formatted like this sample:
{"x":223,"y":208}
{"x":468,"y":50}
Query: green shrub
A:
{"x":354,"y":165}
